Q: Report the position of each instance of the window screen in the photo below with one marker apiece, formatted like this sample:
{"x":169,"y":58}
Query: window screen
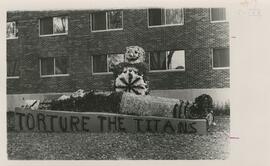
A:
{"x":99,"y":63}
{"x":61,"y":65}
{"x":46,"y":26}
{"x":99,"y":21}
{"x":218,"y":14}
{"x":47,"y":66}
{"x":12,"y":68}
{"x":221,"y":57}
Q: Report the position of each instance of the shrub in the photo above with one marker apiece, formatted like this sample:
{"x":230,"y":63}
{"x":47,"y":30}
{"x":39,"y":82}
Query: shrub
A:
{"x":10,"y":121}
{"x":221,"y":109}
{"x":90,"y":102}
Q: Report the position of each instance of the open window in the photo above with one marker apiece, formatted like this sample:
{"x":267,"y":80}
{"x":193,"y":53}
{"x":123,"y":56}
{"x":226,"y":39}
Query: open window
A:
{"x":12,"y":30}
{"x":165,"y":17}
{"x":53,"y":26}
{"x":167,"y":60}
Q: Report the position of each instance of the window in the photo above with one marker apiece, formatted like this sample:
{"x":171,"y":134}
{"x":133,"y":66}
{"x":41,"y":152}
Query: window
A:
{"x":163,"y":17}
{"x":218,"y":14}
{"x":111,"y":20}
{"x":12,"y":69}
{"x":54,"y":66}
{"x":167,"y":60}
{"x":221,"y":58}
{"x":105,"y":63}
{"x":100,"y":63}
{"x":12,"y":30}
{"x":53,"y":25}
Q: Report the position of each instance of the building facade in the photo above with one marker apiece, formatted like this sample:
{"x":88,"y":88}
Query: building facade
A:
{"x":63,"y":51}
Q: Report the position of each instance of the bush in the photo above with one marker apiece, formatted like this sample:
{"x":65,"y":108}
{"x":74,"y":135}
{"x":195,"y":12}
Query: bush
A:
{"x":221,"y":109}
{"x":10,"y":121}
{"x":90,"y":102}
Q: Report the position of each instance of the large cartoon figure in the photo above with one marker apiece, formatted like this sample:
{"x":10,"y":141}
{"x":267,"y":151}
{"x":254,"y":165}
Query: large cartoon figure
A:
{"x":130,"y":76}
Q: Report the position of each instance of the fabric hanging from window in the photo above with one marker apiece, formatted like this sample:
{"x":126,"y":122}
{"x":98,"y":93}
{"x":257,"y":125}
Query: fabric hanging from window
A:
{"x":60,"y":25}
{"x":174,"y":16}
{"x":61,"y":65}
{"x":158,"y":60}
{"x":114,"y":19}
{"x":12,"y":31}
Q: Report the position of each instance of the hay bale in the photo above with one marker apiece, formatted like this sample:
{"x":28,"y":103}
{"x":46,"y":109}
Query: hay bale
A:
{"x":147,"y":105}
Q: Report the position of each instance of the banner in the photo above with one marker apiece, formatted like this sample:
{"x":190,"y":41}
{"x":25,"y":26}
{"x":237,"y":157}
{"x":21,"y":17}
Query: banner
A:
{"x":62,"y":121}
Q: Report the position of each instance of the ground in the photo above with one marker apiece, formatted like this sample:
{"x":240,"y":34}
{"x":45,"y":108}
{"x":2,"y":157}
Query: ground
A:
{"x":121,"y":146}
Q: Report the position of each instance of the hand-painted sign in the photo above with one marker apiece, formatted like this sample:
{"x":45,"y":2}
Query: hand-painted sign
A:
{"x":61,"y":121}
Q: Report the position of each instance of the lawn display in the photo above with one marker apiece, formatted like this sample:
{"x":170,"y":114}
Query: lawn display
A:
{"x":130,"y":76}
{"x":130,"y":97}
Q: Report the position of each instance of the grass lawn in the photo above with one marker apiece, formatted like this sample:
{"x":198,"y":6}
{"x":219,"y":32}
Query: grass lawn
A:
{"x":120,"y":146}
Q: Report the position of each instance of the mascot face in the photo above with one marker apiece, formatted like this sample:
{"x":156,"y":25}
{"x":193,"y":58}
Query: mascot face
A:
{"x":134,"y":54}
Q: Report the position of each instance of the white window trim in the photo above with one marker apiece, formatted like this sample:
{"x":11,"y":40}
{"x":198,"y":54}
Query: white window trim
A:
{"x":57,"y":75}
{"x":106,"y":30}
{"x":50,"y":75}
{"x":165,"y":25}
{"x":167,"y":70}
{"x":53,"y":34}
{"x":216,"y":68}
{"x":13,"y":77}
{"x":11,"y":38}
{"x":210,"y":13}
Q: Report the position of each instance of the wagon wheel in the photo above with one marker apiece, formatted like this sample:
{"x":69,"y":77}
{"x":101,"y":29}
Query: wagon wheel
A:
{"x":129,"y":81}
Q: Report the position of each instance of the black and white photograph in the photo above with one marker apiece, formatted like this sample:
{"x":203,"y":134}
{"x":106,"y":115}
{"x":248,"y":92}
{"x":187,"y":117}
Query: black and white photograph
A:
{"x":150,"y":82}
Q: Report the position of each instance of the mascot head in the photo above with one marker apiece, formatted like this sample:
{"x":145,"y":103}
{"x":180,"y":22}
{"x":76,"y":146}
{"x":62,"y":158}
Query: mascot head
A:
{"x":134,"y":54}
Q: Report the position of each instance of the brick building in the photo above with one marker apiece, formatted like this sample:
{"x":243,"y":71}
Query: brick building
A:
{"x":50,"y":52}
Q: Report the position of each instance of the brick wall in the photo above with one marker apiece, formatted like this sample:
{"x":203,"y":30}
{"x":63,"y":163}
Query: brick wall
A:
{"x":197,"y":36}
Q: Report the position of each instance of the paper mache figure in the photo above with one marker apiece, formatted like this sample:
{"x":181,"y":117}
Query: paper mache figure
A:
{"x":130,"y":75}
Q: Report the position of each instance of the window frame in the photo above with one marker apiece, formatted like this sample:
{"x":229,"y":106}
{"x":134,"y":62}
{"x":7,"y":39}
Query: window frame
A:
{"x":165,"y":25}
{"x":219,"y":21}
{"x":212,"y":57}
{"x":166,"y":70}
{"x":108,"y":72}
{"x":106,"y":30}
{"x":53,"y":34}
{"x":51,"y":75}
{"x":17,"y":31}
{"x":12,"y":77}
